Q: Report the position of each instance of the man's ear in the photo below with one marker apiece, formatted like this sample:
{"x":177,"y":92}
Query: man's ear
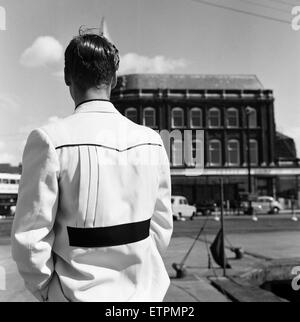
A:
{"x":67,"y":78}
{"x":114,"y":81}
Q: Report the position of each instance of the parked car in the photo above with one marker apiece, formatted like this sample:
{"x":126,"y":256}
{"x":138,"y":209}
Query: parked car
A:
{"x":264,"y":204}
{"x":12,"y":210}
{"x":206,"y":207}
{"x":5,"y":210}
{"x":182,"y":209}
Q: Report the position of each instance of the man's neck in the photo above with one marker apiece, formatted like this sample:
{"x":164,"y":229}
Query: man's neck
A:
{"x":92,"y":94}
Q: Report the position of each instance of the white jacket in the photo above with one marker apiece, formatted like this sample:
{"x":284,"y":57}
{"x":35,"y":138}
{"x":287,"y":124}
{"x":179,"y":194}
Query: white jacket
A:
{"x":94,"y":212}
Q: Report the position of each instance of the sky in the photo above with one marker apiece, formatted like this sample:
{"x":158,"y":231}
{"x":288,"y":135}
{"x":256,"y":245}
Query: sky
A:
{"x":160,"y":36}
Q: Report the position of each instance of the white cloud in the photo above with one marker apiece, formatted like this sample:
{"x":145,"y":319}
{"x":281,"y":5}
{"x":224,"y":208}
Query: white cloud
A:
{"x":12,"y":147}
{"x":134,"y":63}
{"x":44,"y":50}
{"x":7,"y":157}
{"x":28,"y":128}
{"x":53,"y":119}
{"x":15,"y":128}
{"x":9,"y":136}
{"x":59,"y":74}
{"x":8,"y":102}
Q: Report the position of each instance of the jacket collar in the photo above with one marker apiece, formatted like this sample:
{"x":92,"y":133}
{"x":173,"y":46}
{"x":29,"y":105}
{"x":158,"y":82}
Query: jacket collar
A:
{"x":96,"y":106}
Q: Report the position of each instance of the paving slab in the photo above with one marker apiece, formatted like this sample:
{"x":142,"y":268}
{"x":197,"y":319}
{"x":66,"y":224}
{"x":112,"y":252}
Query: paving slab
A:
{"x":245,"y":293}
{"x":197,"y":290}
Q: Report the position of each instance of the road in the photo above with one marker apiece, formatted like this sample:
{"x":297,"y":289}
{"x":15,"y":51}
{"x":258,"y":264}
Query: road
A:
{"x":237,"y":225}
{"x":233,"y":225}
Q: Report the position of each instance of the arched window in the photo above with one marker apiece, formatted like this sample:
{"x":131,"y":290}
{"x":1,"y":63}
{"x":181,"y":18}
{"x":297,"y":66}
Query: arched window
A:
{"x":131,"y":114}
{"x":177,"y":153}
{"x":196,"y":119}
{"x":232,"y":117}
{"x":177,"y":117}
{"x":214,"y":117}
{"x":215,"y":153}
{"x":252,"y":115}
{"x":253,"y":152}
{"x":233,"y":152}
{"x":149,"y":117}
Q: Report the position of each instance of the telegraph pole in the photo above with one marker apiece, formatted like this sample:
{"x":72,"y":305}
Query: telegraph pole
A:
{"x":222,"y":225}
{"x":248,"y":112}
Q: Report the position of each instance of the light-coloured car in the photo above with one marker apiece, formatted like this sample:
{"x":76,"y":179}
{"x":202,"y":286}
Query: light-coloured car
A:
{"x":265,"y":204}
{"x":12,"y":210}
{"x":269,"y":204}
{"x":182,"y":209}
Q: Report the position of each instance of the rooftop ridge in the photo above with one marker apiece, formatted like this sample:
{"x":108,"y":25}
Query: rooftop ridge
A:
{"x":190,"y":81}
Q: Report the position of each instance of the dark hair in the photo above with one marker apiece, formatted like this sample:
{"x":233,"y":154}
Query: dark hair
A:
{"x":91,"y":60}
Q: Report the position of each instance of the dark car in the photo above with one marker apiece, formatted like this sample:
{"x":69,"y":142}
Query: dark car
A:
{"x":5,"y":210}
{"x":206,"y":207}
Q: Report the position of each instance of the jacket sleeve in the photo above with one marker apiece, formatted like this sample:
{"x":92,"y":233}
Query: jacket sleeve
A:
{"x":32,"y":232}
{"x":161,"y":226}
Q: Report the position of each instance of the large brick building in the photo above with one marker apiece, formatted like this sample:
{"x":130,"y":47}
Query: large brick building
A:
{"x":217,"y":104}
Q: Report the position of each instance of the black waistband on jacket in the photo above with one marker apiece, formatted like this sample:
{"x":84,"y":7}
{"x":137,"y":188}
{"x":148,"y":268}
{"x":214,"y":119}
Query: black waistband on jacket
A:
{"x":109,"y":236}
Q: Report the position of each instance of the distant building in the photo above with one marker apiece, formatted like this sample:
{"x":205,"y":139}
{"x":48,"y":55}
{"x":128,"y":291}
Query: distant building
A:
{"x":217,"y":104}
{"x":9,"y":184}
{"x":8,"y":168}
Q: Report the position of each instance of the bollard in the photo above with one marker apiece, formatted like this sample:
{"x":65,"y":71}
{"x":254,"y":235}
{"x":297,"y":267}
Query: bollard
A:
{"x":180,"y":270}
{"x":294,"y":217}
{"x":238,"y":251}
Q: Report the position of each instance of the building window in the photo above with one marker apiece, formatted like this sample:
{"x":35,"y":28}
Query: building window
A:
{"x":233,"y":152}
{"x":196,"y":117}
{"x":253,"y":152}
{"x":177,"y":117}
{"x":214,"y":117}
{"x":253,"y":118}
{"x":177,"y":153}
{"x":149,"y":117}
{"x":232,"y":118}
{"x":131,"y":114}
{"x":215,"y":153}
{"x":197,"y":152}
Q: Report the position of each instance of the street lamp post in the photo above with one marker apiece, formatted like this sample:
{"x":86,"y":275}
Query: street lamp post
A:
{"x":222,"y":225}
{"x":249,"y":110}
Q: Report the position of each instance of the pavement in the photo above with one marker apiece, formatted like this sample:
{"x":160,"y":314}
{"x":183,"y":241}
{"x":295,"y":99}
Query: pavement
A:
{"x":259,"y":247}
{"x":14,"y":289}
{"x":196,"y":285}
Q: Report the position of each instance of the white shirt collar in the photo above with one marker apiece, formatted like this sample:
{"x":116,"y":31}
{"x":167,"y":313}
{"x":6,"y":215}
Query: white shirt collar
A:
{"x":96,"y":105}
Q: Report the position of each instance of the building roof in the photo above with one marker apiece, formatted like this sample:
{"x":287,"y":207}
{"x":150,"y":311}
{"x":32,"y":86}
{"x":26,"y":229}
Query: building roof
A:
{"x":7,"y":168}
{"x":285,"y":147}
{"x":191,"y":82}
